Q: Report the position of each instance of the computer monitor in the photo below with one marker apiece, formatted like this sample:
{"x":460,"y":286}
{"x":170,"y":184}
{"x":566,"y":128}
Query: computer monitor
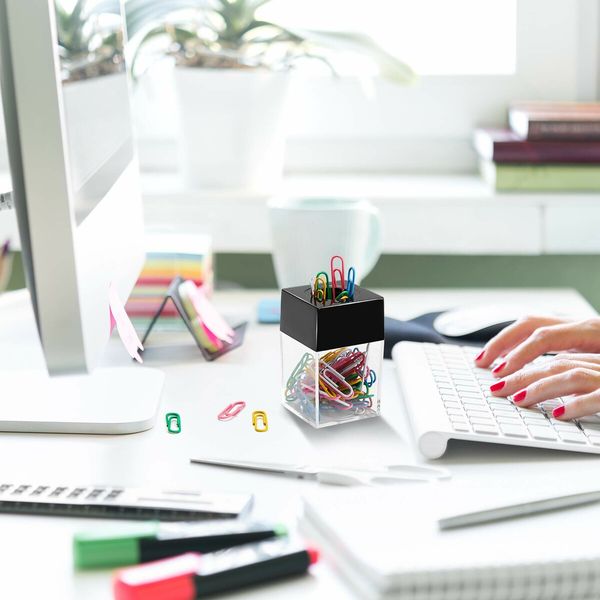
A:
{"x":75,"y":178}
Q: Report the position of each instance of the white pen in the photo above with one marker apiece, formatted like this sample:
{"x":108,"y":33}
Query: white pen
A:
{"x":521,"y":509}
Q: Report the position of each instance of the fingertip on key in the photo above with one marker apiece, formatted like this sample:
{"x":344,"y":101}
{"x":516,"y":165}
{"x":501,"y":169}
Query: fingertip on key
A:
{"x":499,"y":368}
{"x":496,"y":387}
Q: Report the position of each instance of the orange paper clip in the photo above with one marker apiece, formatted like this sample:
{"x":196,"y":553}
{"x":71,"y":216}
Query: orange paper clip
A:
{"x":231,"y":411}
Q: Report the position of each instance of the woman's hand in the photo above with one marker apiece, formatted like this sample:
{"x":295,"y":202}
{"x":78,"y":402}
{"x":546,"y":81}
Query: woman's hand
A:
{"x":575,"y":375}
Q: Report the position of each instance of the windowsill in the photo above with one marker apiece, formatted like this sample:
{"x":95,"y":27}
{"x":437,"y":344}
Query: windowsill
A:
{"x":437,"y":214}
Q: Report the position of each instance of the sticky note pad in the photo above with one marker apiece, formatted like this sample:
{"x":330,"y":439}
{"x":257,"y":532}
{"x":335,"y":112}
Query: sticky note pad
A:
{"x":269,"y":310}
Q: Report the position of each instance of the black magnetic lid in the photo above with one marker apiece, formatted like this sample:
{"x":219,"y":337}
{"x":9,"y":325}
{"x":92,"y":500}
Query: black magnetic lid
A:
{"x":324,"y":326}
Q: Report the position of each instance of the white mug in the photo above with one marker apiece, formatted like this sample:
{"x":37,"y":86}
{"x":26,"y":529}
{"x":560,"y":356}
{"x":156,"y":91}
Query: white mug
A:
{"x":307,"y":232}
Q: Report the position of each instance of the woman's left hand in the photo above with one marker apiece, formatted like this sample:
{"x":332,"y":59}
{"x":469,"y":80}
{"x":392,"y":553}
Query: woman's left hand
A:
{"x":576,"y":375}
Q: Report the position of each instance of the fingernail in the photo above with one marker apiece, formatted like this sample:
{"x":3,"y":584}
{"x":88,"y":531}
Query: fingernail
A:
{"x":558,"y":411}
{"x":499,"y":367}
{"x":519,"y":396}
{"x":480,"y":355}
{"x":495,"y":387}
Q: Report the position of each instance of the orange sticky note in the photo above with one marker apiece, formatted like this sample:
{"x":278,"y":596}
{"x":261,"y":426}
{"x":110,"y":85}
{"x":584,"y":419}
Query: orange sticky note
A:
{"x":124,"y":326}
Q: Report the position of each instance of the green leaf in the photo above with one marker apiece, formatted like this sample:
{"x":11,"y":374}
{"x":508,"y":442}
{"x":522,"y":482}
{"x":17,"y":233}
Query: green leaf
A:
{"x":389,"y":66}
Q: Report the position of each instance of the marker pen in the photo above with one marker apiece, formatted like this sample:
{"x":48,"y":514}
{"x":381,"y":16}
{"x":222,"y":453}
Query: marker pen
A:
{"x":191,"y":576}
{"x":145,"y":542}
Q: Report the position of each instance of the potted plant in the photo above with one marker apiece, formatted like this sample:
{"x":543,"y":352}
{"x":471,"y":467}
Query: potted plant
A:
{"x":232,"y":76}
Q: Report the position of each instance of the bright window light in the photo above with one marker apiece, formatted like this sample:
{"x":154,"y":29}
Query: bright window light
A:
{"x":435,"y":37}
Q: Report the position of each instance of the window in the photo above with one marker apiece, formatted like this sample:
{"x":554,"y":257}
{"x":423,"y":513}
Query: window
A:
{"x":474,"y":57}
{"x":435,"y":37}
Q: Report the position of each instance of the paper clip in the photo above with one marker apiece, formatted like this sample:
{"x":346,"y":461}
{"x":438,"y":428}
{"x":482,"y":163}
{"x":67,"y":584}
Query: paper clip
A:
{"x":173,"y":422}
{"x":371,"y":378}
{"x":233,"y":410}
{"x":257,"y":417}
{"x":335,"y":273}
{"x":351,"y":280}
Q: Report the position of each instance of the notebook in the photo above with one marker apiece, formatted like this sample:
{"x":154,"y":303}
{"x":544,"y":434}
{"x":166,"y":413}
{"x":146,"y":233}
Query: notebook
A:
{"x":385,"y":543}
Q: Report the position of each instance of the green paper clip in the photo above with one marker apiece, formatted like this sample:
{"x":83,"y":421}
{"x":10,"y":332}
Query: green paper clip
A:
{"x":173,"y":422}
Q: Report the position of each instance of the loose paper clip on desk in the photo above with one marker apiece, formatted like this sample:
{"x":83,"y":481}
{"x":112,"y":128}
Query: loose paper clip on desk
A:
{"x":174,"y":296}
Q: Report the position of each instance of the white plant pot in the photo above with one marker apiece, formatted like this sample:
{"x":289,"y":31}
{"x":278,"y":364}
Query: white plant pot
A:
{"x":232,"y":128}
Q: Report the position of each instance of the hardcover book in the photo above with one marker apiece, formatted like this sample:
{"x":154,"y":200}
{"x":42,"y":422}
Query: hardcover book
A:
{"x":541,"y":178}
{"x":505,"y":146}
{"x":555,"y":120}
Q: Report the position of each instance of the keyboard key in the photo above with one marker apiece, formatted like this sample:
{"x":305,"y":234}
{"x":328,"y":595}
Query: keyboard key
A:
{"x":450,"y":398}
{"x":445,"y":390}
{"x":532,"y":414}
{"x":481,"y":421}
{"x":477,"y":407}
{"x":467,"y":388}
{"x":575,"y":437}
{"x":514,"y":430}
{"x":471,"y":395}
{"x":450,"y":404}
{"x":478,"y":413}
{"x":594,"y":439}
{"x":504,"y":410}
{"x":455,"y":412}
{"x":534,"y":420}
{"x":475,"y":401}
{"x":461,"y":425}
{"x":563,"y":425}
{"x":542,"y":433}
{"x":489,"y":429}
{"x":508,"y":419}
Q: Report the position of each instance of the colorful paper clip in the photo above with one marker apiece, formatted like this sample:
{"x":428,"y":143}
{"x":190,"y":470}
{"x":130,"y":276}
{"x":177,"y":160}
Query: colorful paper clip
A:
{"x":173,"y":422}
{"x":259,"y":416}
{"x":338,"y":289}
{"x":233,"y":410}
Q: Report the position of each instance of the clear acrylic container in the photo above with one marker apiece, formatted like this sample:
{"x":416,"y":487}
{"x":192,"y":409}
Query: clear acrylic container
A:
{"x":334,"y":386}
{"x":332,"y":356}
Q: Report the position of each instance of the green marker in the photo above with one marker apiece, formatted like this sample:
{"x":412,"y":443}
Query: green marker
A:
{"x":138,"y":543}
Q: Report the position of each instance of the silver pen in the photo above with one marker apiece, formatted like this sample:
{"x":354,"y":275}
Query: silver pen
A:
{"x":521,"y":509}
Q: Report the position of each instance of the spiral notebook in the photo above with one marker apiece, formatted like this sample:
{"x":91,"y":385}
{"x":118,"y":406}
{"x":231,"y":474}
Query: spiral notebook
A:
{"x":386,"y":544}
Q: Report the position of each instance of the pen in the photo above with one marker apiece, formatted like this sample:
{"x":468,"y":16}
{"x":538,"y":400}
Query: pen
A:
{"x":145,"y":542}
{"x":521,"y":509}
{"x":192,"y":576}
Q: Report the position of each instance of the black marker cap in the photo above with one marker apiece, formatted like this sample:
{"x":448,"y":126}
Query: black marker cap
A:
{"x":333,"y":324}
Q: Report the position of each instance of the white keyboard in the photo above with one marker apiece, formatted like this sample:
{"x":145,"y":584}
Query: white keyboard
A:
{"x":448,"y":397}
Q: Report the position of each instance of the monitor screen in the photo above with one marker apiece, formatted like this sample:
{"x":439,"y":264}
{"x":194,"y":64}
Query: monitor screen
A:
{"x":91,"y":40}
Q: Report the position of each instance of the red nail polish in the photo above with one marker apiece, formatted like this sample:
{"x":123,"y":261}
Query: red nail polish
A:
{"x":520,"y":396}
{"x":495,"y":387}
{"x":558,"y":411}
{"x":499,"y":367}
{"x":480,"y":355}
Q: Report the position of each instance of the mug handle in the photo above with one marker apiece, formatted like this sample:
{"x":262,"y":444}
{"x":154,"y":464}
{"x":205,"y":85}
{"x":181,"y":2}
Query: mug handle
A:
{"x":375,"y":240}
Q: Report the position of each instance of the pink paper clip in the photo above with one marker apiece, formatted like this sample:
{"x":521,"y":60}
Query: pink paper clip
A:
{"x":338,"y":283}
{"x":233,"y":410}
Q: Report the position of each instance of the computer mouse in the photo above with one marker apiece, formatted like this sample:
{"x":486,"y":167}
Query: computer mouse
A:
{"x":483,"y":320}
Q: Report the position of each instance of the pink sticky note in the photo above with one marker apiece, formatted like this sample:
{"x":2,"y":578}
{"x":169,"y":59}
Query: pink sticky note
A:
{"x":125,"y":328}
{"x":210,"y":317}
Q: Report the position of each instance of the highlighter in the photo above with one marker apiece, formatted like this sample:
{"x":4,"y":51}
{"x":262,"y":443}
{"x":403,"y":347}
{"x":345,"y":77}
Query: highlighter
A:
{"x":191,"y":576}
{"x":145,"y":542}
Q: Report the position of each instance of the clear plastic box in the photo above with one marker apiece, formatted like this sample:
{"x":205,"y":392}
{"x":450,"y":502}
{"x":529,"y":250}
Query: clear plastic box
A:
{"x":334,"y":386}
{"x":326,"y":384}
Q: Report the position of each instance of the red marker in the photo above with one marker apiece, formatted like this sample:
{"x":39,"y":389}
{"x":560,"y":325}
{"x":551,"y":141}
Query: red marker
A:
{"x":190,"y":576}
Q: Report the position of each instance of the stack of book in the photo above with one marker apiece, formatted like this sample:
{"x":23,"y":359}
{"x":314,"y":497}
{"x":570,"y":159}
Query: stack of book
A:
{"x":550,"y":146}
{"x":168,"y":256}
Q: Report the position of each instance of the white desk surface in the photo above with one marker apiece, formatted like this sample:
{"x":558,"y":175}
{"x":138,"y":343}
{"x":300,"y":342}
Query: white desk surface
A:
{"x":35,"y":552}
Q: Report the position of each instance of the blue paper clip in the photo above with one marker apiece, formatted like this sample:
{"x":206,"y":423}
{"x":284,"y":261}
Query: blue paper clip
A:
{"x":351,"y":280}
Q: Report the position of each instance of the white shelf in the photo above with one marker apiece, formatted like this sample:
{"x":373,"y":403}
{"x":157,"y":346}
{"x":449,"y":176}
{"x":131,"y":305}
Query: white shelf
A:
{"x":451,"y":214}
{"x":438,"y":214}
